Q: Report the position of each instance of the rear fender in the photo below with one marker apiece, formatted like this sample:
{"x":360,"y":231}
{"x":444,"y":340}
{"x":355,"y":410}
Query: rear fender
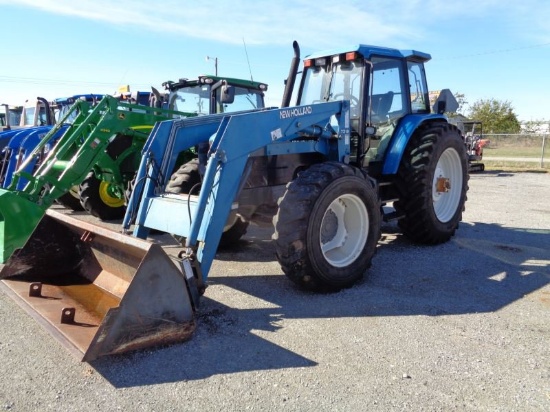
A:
{"x":400,"y":138}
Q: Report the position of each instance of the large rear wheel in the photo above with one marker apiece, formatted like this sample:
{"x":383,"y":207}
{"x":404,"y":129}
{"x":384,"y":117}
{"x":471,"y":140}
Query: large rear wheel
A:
{"x":432,"y":182}
{"x":106,"y":200}
{"x":98,"y":198}
{"x":327,"y":226}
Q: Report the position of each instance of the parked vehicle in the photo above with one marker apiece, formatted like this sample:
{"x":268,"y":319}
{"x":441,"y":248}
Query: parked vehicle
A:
{"x":361,"y":136}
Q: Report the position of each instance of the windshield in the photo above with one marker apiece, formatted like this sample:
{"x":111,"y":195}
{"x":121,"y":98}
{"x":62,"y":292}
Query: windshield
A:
{"x":62,"y":110}
{"x":343,"y":82}
{"x":315,"y":85}
{"x":15,"y":116}
{"x":196,"y":99}
{"x":30,"y":114}
{"x":191,"y":99}
{"x":245,"y":99}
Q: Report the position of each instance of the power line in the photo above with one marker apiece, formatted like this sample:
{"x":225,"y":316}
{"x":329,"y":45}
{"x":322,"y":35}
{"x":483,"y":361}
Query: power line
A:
{"x":488,"y":52}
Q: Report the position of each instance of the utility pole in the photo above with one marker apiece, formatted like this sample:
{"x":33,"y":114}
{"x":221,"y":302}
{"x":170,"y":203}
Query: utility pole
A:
{"x":215,"y":63}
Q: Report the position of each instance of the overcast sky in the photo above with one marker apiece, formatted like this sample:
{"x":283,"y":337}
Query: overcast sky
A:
{"x":483,"y":49}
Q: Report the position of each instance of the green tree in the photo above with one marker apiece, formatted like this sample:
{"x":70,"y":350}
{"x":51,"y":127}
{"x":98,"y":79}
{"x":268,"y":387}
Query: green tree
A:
{"x":497,"y":116}
{"x":462,"y":102}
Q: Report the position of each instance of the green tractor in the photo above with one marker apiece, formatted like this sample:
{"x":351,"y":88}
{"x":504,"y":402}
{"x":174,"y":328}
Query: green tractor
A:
{"x":105,"y":189}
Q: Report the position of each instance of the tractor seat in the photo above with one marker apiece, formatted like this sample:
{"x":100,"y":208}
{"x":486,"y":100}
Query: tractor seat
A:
{"x":381,"y":105}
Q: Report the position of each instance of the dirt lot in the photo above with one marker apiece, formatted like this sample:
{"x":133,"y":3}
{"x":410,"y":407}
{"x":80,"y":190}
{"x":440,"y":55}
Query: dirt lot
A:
{"x":462,"y":326}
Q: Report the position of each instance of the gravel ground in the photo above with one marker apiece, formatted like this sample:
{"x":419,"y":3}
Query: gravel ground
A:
{"x":461,"y":326}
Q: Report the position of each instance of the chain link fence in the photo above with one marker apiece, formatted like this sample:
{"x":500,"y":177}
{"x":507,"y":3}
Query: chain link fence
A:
{"x":530,"y":151}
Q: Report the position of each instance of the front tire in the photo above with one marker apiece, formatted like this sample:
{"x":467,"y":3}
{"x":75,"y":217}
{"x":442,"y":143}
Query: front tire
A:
{"x":71,"y":200}
{"x":187,"y":180}
{"x":327,"y":227}
{"x":432,"y":182}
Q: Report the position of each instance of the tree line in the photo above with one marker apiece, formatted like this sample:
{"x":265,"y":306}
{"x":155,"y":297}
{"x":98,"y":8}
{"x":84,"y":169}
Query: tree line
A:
{"x":497,"y":116}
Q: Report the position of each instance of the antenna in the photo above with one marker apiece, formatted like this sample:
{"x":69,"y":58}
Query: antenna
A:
{"x":248,"y":61}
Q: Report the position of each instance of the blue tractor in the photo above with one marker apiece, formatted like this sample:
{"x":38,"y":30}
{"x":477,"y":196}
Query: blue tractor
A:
{"x":36,"y":121}
{"x":35,"y":112}
{"x":361,"y":146}
{"x":34,"y":115}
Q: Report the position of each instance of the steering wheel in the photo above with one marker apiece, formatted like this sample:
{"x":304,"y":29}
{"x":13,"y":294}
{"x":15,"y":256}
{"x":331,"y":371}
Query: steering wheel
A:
{"x":354,"y":100}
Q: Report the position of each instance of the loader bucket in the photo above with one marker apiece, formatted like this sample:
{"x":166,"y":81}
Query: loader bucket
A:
{"x":18,"y":219}
{"x":97,"y":291}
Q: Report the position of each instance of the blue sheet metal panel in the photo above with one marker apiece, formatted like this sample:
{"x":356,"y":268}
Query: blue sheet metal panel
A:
{"x":27,"y":146}
{"x":13,"y":148}
{"x":401,"y":136}
{"x":6,"y":136}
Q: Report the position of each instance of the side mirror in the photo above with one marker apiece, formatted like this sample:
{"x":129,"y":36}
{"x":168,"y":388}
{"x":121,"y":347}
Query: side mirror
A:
{"x":228,"y":94}
{"x":446,"y":102}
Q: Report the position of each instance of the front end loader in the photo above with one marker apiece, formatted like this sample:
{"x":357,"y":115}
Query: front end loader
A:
{"x":84,"y":282}
{"x":100,"y":271}
{"x":362,"y":136}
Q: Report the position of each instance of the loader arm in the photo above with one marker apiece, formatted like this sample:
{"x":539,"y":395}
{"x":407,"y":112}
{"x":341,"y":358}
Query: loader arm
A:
{"x":235,"y":138}
{"x":67,"y":163}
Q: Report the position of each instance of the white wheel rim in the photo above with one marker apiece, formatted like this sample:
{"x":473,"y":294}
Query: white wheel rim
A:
{"x":344,"y":230}
{"x":448,"y":172}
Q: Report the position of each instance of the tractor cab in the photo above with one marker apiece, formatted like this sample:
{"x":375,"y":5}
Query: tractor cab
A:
{"x":382,"y":85}
{"x":4,"y":118}
{"x":9,"y":116}
{"x":36,"y":112}
{"x":13,"y":115}
{"x":213,"y":94}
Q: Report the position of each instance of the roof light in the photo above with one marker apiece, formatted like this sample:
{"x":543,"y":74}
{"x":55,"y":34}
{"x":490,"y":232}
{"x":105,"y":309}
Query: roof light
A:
{"x":308,"y":63}
{"x":336,"y":59}
{"x":263,"y":86}
{"x":351,"y":56}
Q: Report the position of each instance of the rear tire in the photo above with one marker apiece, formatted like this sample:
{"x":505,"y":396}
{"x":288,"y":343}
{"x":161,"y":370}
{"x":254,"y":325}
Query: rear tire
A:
{"x":432,"y":182}
{"x":186,"y":180}
{"x":97,"y":201}
{"x":106,"y":200}
{"x":327,"y":227}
